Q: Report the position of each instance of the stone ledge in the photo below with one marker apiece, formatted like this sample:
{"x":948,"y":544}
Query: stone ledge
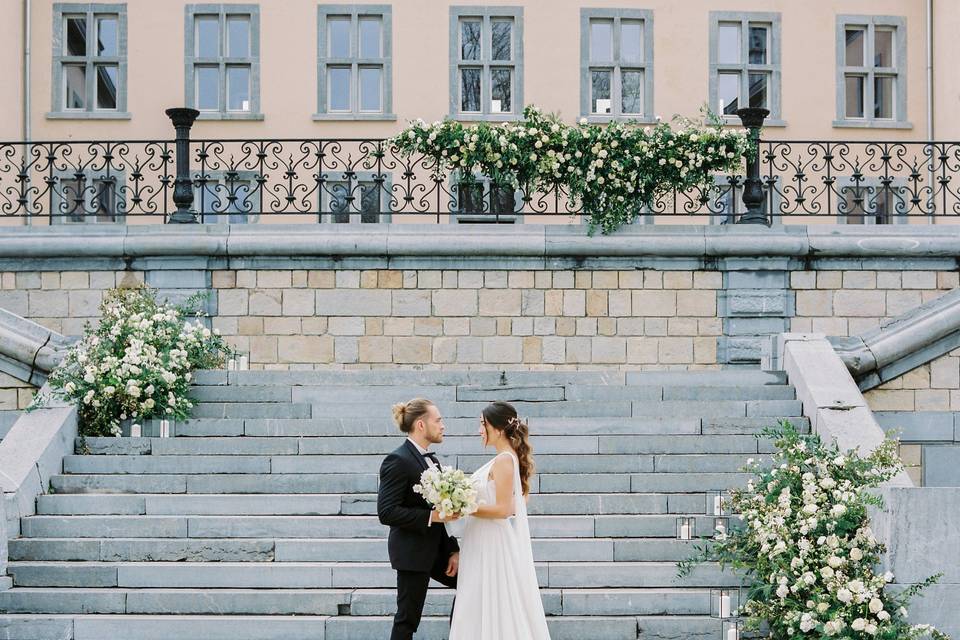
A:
{"x":541,"y":242}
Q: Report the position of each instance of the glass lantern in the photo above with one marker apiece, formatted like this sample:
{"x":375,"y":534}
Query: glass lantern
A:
{"x":686,"y":528}
{"x":721,"y":526}
{"x":731,"y":629}
{"x":717,"y":503}
{"x":724,"y":603}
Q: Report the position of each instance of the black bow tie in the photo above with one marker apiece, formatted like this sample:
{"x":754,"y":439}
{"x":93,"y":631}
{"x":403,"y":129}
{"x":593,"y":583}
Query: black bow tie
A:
{"x":432,"y":456}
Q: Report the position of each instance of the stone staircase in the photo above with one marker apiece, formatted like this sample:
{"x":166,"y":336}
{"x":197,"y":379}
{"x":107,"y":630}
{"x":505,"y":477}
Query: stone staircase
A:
{"x":258,"y":520}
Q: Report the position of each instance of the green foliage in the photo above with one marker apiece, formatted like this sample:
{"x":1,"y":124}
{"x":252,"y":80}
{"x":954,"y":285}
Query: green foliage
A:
{"x":613,"y":172}
{"x":806,"y":547}
{"x":137,"y":363}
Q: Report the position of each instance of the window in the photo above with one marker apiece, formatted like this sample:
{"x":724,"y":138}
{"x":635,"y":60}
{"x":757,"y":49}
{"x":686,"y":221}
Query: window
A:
{"x":89,"y":61}
{"x":872,"y":200}
{"x":871,"y":69}
{"x":226,"y":197}
{"x":616,"y":64}
{"x":479,"y":201}
{"x":486,"y":63}
{"x":223,"y":60}
{"x":355,"y":197}
{"x":354,"y":62}
{"x":88,"y":197}
{"x":745,"y":63}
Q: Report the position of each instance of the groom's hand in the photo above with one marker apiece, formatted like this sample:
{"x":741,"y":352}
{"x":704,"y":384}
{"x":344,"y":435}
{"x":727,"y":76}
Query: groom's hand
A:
{"x":454,"y":564}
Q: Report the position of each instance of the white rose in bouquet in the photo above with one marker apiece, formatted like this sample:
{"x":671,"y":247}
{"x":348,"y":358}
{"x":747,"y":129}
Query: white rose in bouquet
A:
{"x":449,"y":490}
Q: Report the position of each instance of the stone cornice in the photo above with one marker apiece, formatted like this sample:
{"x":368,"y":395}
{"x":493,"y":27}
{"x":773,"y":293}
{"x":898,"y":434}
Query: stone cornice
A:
{"x":530,"y":242}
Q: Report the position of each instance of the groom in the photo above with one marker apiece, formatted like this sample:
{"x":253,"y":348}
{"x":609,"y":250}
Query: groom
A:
{"x":419,"y":546}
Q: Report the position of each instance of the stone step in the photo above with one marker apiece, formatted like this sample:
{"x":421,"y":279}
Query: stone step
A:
{"x":220,"y":627}
{"x":251,"y":410}
{"x":678,"y":392}
{"x":337,"y":504}
{"x":314,"y":575}
{"x":451,"y":445}
{"x":287,"y":526}
{"x":339,"y":427}
{"x":388,"y":377}
{"x":221,"y":484}
{"x":149,"y":549}
{"x":352,"y":483}
{"x":572,"y":408}
{"x":370,"y":464}
{"x":330,"y":602}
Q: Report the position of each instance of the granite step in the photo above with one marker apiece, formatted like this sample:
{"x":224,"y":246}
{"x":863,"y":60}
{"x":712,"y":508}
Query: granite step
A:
{"x":314,"y":575}
{"x":340,"y":504}
{"x":222,"y":627}
{"x":327,"y":526}
{"x":275,"y":549}
{"x":451,"y":445}
{"x":359,"y":602}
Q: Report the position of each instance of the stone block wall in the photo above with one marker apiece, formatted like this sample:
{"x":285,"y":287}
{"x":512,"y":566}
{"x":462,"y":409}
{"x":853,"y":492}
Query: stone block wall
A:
{"x":470,"y":318}
{"x":646,"y":318}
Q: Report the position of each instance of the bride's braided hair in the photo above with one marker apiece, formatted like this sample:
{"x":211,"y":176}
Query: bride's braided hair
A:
{"x":503,"y":417}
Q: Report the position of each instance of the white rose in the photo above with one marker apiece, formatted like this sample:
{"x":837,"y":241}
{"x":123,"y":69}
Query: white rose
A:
{"x":844,"y":595}
{"x":858,"y":624}
{"x":883,"y":616}
{"x":856,"y":555}
{"x":876,"y":606}
{"x":870,"y":628}
{"x":834,"y":562}
{"x":783,"y":591}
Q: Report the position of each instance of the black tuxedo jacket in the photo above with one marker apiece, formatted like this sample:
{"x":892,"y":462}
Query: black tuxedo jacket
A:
{"x":414,"y":543}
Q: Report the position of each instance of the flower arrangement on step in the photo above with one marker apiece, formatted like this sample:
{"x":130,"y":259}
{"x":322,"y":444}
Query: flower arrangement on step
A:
{"x":806,"y":546}
{"x":612,"y":172}
{"x":137,"y":363}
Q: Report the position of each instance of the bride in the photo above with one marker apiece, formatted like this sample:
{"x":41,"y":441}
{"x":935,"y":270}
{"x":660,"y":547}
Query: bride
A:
{"x":497,"y":593}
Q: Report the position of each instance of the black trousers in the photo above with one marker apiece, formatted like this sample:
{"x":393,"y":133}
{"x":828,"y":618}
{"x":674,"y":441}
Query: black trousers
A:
{"x":412,"y":593}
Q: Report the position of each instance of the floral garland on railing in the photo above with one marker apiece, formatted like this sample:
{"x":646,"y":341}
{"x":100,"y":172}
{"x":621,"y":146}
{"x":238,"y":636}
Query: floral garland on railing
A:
{"x":613,"y":172}
{"x":807,"y":548}
{"x":137,"y":363}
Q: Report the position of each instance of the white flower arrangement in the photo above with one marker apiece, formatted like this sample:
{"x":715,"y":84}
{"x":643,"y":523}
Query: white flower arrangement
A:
{"x":612,"y":171}
{"x":806,"y":546}
{"x":137,"y":363}
{"x":449,"y":490}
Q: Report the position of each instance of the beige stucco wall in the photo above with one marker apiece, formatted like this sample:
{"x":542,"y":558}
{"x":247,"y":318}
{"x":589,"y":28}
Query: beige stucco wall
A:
{"x":421,"y":65}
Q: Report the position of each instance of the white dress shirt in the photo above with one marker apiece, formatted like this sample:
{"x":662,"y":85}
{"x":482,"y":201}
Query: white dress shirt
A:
{"x":431,"y":464}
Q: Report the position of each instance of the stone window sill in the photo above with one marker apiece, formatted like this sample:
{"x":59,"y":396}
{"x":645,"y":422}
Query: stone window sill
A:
{"x":89,"y":115}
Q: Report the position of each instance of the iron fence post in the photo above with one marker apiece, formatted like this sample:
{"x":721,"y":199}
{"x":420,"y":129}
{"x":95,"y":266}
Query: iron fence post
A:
{"x":752,"y":119}
{"x":183,"y":118}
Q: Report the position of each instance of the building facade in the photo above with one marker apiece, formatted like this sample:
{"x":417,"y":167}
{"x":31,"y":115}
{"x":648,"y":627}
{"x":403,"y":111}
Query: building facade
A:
{"x":851,"y":70}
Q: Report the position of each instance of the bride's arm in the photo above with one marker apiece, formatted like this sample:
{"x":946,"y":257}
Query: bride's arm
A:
{"x":502,"y":474}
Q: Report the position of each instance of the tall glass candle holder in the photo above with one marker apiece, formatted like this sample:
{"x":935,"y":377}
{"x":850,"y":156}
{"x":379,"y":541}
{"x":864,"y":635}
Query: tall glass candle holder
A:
{"x":686,"y":528}
{"x":721,"y":526}
{"x":731,"y":629}
{"x":717,"y":503}
{"x":724,"y":603}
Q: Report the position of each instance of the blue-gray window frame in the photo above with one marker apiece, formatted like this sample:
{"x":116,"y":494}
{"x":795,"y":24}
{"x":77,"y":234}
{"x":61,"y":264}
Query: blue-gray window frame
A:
{"x":871,"y":188}
{"x":899,"y":24}
{"x":215,"y":187}
{"x":385,"y":61}
{"x":91,"y":9}
{"x":355,"y":180}
{"x":90,"y":178}
{"x":773,"y":65}
{"x":586,"y":66}
{"x":485,"y":63}
{"x":190,"y":60}
{"x":488,"y":217}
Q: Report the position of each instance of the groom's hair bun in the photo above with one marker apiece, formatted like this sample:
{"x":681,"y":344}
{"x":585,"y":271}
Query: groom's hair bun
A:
{"x":405,"y":414}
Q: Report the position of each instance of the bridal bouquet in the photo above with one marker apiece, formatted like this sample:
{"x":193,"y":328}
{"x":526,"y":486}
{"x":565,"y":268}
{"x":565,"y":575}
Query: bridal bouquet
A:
{"x":449,"y":490}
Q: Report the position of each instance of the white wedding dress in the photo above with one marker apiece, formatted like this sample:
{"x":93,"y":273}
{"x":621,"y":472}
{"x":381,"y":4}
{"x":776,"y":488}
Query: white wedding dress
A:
{"x":497,"y":593}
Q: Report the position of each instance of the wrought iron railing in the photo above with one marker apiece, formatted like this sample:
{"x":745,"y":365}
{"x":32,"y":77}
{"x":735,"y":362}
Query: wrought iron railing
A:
{"x":368,"y":180}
